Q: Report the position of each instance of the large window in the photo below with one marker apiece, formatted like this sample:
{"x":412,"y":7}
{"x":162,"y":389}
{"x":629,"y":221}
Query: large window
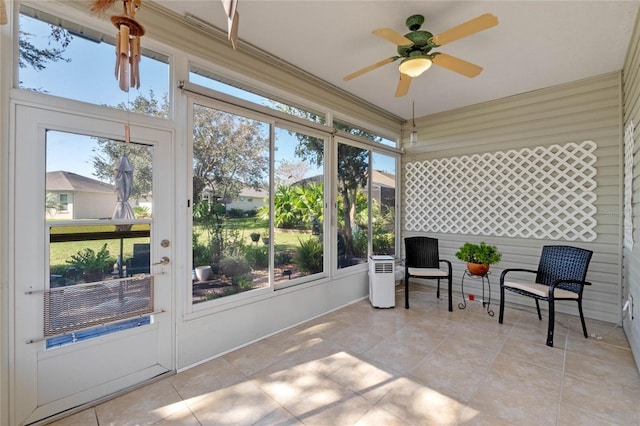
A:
{"x":274,"y":230}
{"x":353,"y":205}
{"x":366,"y":203}
{"x":231,"y":238}
{"x":65,"y":59}
{"x":383,"y":204}
{"x":299,"y":205}
{"x":207,"y":79}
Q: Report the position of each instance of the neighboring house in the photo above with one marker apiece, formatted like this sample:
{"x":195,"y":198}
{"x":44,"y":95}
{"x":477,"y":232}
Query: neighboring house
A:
{"x":73,"y":196}
{"x":383,"y":188}
{"x":248,"y":199}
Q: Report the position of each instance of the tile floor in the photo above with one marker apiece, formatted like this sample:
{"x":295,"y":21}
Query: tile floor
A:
{"x":423,"y":366}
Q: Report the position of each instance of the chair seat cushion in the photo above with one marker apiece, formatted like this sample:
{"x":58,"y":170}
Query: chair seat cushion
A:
{"x":541,"y":290}
{"x":427,"y":272}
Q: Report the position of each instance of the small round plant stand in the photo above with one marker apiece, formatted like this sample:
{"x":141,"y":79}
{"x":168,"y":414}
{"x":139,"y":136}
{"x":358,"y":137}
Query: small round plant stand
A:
{"x":485,"y":303}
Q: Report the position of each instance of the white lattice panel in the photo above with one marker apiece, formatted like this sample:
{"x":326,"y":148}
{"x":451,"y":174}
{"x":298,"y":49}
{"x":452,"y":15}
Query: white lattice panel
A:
{"x":543,"y":192}
{"x":628,"y":185}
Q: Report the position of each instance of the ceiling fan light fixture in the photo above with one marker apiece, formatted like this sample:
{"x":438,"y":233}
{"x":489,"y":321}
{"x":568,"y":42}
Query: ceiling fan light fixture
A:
{"x":415,"y":66}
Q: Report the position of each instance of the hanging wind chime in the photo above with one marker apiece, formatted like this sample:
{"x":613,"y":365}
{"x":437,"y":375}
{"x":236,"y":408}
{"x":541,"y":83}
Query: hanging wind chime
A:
{"x":3,"y":13}
{"x":127,"y":70}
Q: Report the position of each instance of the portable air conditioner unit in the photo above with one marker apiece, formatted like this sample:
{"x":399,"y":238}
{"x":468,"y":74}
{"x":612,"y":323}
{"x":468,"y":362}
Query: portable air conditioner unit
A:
{"x":382,"y":282}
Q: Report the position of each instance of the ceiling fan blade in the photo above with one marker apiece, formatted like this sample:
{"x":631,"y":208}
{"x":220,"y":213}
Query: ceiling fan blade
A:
{"x":369,"y":68}
{"x":457,"y":65}
{"x":392,"y":36}
{"x":403,"y":85}
{"x":473,"y":26}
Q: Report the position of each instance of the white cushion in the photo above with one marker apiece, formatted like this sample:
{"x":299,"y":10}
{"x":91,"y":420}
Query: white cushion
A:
{"x":427,"y":272}
{"x":541,"y":290}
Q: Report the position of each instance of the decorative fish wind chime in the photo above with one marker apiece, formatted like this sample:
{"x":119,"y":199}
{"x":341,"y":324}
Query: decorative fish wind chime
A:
{"x":127,"y":70}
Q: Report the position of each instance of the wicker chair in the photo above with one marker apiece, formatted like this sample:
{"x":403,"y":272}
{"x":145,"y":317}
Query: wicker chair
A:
{"x":560,"y":275}
{"x":423,"y":261}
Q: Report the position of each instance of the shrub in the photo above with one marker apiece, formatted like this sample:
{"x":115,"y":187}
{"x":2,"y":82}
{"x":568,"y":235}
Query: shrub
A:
{"x":201,"y":252}
{"x":309,"y":257}
{"x":360,"y":243}
{"x":234,"y":266}
{"x":479,"y":253}
{"x":244,"y":281}
{"x":383,"y":243}
{"x":88,"y":260}
{"x":283,"y":257}
{"x":141,"y":212}
{"x":257,"y":256}
{"x":235,"y":213}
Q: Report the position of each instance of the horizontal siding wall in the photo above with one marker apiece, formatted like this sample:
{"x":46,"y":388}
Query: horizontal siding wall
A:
{"x":585,"y":110}
{"x":631,"y":258}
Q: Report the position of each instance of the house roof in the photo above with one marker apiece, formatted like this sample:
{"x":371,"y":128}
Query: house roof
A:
{"x":378,"y":177}
{"x":68,"y":181}
{"x":384,"y":179}
{"x":255,"y":193}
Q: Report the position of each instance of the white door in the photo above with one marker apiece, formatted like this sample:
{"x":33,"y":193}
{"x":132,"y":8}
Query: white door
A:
{"x":77,"y":339}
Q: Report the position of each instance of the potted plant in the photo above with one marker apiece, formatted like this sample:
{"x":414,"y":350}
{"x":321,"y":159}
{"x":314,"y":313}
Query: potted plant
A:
{"x":92,"y":264}
{"x":478,"y":257}
{"x":255,"y":237}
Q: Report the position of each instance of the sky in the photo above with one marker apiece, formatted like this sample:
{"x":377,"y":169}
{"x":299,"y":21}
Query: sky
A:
{"x":89,"y":77}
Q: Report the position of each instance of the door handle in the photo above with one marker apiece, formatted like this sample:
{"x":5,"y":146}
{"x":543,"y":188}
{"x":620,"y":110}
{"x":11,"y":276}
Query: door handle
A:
{"x":163,"y":261}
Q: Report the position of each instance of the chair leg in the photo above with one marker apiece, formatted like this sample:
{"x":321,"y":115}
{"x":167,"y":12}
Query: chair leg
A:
{"x":438,"y":290}
{"x":584,"y":326}
{"x":551,"y":321}
{"x":406,"y":292}
{"x":501,"y":316}
{"x":450,"y":294}
{"x":538,"y":307}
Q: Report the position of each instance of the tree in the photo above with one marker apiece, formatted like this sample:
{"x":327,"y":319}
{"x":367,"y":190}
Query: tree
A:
{"x":289,"y":172}
{"x":296,"y":206}
{"x":108,"y":152}
{"x":229,"y":153}
{"x":37,"y":57}
{"x":353,"y":167}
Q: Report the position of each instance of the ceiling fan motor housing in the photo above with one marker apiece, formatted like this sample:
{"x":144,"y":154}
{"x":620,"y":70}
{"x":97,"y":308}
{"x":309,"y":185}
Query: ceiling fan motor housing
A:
{"x":420,"y":41}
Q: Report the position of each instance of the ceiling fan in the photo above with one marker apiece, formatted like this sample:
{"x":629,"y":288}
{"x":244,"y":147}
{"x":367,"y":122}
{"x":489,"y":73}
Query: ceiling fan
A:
{"x":414,"y":49}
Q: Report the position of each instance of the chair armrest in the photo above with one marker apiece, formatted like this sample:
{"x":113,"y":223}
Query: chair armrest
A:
{"x":504,"y":273}
{"x":556,"y":283}
{"x":448,"y":265}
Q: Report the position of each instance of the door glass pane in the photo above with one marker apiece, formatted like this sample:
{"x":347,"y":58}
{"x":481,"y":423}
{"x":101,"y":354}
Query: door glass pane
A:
{"x":81,"y":177}
{"x":298,"y":205}
{"x":353,"y":209}
{"x":230,"y":204}
{"x":96,"y":192}
{"x":383,"y":194}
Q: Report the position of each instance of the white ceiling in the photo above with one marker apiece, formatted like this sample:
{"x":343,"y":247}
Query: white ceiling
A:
{"x":536,"y":44}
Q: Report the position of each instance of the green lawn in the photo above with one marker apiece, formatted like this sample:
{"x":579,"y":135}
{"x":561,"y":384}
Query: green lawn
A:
{"x":246,"y":226}
{"x":60,"y":252}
